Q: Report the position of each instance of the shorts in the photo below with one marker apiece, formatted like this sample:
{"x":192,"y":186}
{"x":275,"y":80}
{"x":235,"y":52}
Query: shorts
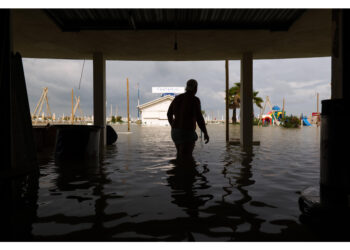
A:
{"x":180,"y":136}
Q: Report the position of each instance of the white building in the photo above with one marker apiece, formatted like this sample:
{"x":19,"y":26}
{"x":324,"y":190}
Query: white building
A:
{"x":155,"y":112}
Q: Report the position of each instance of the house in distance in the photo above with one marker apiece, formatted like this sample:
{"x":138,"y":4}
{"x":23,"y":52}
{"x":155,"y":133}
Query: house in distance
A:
{"x":155,"y":112}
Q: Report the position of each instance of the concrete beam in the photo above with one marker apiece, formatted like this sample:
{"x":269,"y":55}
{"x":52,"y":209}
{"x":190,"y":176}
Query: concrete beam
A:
{"x":37,"y":36}
{"x":340,"y":54}
{"x":246,"y":110}
{"x":99,"y":85}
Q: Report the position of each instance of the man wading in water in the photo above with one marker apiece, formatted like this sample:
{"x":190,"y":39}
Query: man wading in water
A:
{"x":183,"y":113}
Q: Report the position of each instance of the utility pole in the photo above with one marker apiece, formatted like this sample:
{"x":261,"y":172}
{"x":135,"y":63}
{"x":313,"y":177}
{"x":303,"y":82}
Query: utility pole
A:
{"x":111,"y":112}
{"x":72,"y":115}
{"x":318,"y":114}
{"x":127,"y":94}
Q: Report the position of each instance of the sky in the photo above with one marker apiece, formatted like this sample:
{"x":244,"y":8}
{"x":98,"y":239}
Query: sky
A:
{"x":296,"y":80}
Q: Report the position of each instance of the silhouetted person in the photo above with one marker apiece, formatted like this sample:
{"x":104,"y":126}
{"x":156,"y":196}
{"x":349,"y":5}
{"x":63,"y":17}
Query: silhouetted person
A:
{"x":183,"y":113}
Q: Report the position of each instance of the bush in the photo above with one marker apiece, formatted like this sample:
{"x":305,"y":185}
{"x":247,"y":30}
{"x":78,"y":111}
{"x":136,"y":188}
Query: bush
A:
{"x":290,"y":122}
{"x":114,"y":119}
{"x":255,"y":121}
{"x":119,"y":119}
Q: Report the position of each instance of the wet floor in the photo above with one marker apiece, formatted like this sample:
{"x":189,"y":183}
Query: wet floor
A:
{"x":136,"y":192}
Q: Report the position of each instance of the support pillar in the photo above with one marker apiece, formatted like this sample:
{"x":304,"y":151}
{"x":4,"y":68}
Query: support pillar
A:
{"x":246,"y":109}
{"x":5,"y":79}
{"x":227,"y":101}
{"x":334,"y":189}
{"x":335,"y":173}
{"x":99,"y":84}
{"x":340,"y":54}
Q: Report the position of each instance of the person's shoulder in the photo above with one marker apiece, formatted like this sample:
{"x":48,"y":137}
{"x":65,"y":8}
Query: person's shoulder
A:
{"x":197,"y":99}
{"x":179,"y":96}
{"x":176,"y":99}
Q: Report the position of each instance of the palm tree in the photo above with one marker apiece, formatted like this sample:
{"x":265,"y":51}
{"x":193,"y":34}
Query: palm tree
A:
{"x":234,"y":99}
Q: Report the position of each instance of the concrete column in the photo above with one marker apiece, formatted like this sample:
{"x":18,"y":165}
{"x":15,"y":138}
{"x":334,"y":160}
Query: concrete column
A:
{"x":334,"y":171}
{"x":99,"y":76}
{"x":227,"y":107}
{"x":340,"y":54}
{"x":246,"y":110}
{"x":5,"y":79}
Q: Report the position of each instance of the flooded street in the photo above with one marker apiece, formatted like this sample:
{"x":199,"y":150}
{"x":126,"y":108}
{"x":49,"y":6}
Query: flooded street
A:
{"x":136,"y":193}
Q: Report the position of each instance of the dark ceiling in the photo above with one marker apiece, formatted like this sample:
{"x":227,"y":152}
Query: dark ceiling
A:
{"x":174,"y":19}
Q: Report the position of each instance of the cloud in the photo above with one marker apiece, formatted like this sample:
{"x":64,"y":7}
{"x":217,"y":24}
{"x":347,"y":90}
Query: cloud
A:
{"x":296,"y":80}
{"x":305,"y":84}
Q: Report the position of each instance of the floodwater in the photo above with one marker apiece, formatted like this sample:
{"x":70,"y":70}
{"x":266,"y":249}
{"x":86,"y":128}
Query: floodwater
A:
{"x":136,"y":193}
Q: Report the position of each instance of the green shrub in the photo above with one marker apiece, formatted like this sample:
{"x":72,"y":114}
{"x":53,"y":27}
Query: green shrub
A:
{"x":119,"y":119}
{"x":255,"y":121}
{"x":290,"y":122}
{"x":114,"y":119}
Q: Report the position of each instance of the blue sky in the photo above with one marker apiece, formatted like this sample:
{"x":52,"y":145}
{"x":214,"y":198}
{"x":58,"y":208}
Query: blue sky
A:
{"x":297,"y":80}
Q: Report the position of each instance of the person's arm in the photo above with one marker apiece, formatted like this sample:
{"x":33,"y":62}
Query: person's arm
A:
{"x":200,"y":121}
{"x":170,"y":114}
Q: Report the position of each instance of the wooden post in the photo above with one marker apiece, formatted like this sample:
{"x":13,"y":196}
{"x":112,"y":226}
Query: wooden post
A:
{"x":72,"y":115}
{"x":227,"y":107}
{"x":111,"y":112}
{"x":127,"y":94}
{"x":318,"y":120}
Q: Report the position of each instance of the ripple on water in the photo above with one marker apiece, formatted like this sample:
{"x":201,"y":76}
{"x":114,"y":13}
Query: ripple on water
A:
{"x":136,"y":192}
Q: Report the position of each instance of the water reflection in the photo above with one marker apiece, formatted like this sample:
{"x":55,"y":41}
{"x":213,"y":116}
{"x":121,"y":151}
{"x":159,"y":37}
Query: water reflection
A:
{"x":78,"y":185}
{"x":240,"y":178}
{"x":182,"y":179}
{"x":82,"y":182}
{"x":227,"y":220}
{"x":133,"y":193}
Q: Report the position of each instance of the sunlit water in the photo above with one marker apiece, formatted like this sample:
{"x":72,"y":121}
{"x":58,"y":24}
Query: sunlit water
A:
{"x":136,"y":193}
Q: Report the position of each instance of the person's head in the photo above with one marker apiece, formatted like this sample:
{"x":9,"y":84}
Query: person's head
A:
{"x":191,"y":86}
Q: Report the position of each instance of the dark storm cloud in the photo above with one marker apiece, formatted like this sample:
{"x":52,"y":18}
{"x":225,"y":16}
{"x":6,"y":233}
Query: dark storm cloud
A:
{"x":297,"y":80}
{"x":210,"y":76}
{"x":60,"y":76}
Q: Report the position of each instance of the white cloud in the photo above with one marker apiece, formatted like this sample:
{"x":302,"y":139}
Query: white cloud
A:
{"x":303,"y":84}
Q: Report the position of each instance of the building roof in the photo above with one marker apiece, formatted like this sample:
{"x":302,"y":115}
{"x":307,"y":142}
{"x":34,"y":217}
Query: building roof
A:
{"x":156,"y":101}
{"x":173,"y":19}
{"x":151,"y":34}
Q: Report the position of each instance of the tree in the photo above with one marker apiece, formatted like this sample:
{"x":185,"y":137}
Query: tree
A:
{"x":234,"y":99}
{"x":119,"y":119}
{"x":114,"y":119}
